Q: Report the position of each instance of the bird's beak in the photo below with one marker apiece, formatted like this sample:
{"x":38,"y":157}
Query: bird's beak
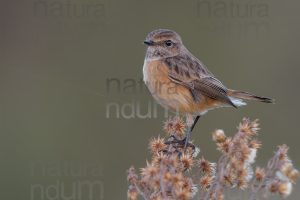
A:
{"x":148,"y":42}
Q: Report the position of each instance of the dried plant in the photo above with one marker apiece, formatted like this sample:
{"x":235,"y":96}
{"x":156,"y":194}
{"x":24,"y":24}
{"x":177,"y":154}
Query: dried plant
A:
{"x":175,"y":173}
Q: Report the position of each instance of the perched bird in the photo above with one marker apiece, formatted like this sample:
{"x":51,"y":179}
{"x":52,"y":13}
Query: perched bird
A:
{"x":180,"y":82}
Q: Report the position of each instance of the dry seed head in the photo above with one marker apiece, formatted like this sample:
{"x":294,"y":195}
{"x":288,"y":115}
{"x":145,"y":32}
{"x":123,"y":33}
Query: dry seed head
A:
{"x":157,"y":145}
{"x":187,"y":161}
{"x":273,"y":186}
{"x":282,"y":152}
{"x":242,"y":184}
{"x":166,"y":171}
{"x":158,"y":158}
{"x":287,"y":168}
{"x":290,"y":172}
{"x":149,"y":171}
{"x":259,"y":174}
{"x":219,"y":136}
{"x":206,"y":181}
{"x":249,"y":128}
{"x":192,"y":152}
{"x":242,"y":173}
{"x":228,"y":180}
{"x":175,"y":126}
{"x":224,"y":146}
{"x":132,"y":193}
{"x":206,"y":167}
{"x":187,"y":183}
{"x":293,"y":175}
{"x":179,"y":127}
{"x":285,"y":188}
{"x":132,"y":177}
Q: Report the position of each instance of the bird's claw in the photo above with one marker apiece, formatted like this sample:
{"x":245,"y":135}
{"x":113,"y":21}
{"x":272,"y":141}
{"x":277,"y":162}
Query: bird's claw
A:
{"x":180,"y":144}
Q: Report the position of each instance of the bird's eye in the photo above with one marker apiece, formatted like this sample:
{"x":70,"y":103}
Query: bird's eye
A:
{"x":169,"y":43}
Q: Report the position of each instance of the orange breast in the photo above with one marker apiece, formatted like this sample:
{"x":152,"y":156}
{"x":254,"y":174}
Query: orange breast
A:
{"x":170,"y":94}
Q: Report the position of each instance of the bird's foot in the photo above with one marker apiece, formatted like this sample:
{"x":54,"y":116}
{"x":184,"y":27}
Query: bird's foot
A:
{"x":181,"y":145}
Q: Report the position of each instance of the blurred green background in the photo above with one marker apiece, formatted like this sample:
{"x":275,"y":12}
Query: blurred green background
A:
{"x":70,"y":76}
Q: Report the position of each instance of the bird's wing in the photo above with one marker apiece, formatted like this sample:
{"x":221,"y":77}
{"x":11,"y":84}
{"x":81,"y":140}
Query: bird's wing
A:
{"x":198,"y":80}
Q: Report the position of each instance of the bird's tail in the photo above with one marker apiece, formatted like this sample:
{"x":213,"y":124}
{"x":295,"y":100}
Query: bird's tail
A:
{"x":248,"y":96}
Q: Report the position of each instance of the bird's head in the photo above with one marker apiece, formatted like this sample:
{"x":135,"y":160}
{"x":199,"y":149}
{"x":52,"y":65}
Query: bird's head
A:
{"x":163,"y":43}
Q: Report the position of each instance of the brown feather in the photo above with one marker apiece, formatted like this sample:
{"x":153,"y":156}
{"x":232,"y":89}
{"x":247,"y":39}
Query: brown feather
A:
{"x":249,"y":96}
{"x":199,"y":80}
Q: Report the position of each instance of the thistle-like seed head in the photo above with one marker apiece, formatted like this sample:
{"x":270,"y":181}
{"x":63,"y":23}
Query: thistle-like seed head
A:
{"x":249,"y":128}
{"x":157,"y":144}
{"x":150,"y":171}
{"x":273,"y":186}
{"x":259,"y":174}
{"x":132,"y":193}
{"x":187,"y":161}
{"x":207,"y":167}
{"x":219,"y":136}
{"x":179,"y":127}
{"x":282,"y":152}
{"x":285,"y":188}
{"x":224,"y":146}
{"x":206,"y":181}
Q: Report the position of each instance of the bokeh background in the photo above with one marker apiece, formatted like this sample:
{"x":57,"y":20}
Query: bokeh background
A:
{"x":72,"y":104}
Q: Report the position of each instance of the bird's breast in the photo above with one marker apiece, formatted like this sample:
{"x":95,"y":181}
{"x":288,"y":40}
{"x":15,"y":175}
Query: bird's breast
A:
{"x":166,"y":92}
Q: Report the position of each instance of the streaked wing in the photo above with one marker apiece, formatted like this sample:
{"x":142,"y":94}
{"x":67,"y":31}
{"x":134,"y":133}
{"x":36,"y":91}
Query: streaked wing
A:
{"x":212,"y":88}
{"x":187,"y":67}
{"x":197,"y":79}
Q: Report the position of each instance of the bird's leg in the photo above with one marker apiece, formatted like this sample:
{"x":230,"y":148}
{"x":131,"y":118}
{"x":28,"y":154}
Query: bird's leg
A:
{"x":184,"y":143}
{"x":190,"y":128}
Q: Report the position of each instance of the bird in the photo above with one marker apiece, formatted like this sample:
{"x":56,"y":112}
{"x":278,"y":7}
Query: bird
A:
{"x":180,"y":82}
